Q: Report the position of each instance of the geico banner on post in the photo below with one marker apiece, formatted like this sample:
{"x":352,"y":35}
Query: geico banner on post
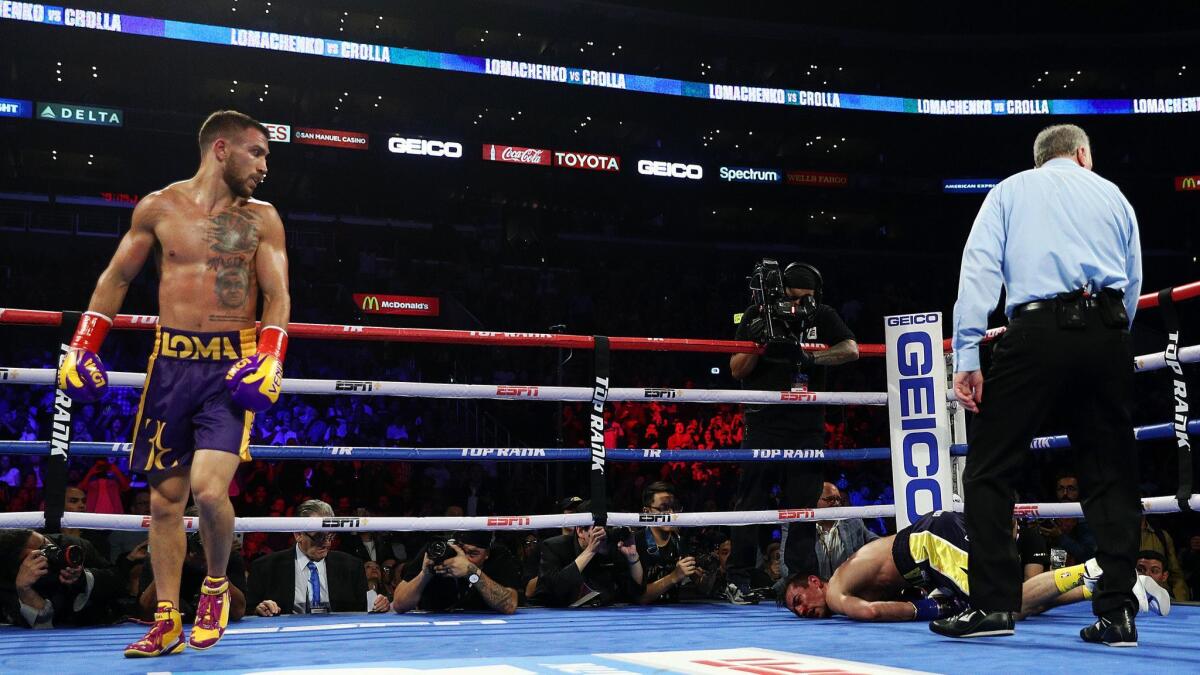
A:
{"x":918,"y":421}
{"x":1187,"y":183}
{"x":406,"y":305}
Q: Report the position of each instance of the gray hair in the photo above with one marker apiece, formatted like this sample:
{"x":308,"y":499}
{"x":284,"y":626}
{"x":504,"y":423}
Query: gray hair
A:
{"x":1058,"y":141}
{"x":314,"y":507}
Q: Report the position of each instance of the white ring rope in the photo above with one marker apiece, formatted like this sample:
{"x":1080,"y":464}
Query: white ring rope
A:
{"x":46,"y":376}
{"x":503,"y":392}
{"x":103,"y":521}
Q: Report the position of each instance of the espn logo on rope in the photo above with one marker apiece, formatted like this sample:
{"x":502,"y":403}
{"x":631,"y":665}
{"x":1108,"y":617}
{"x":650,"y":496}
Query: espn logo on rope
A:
{"x":190,"y":523}
{"x":659,"y":393}
{"x":404,"y":305}
{"x":509,"y":521}
{"x":354,"y":386}
{"x":337,"y":523}
{"x":425,"y":147}
{"x":332,"y":138}
{"x":513,"y":154}
{"x":797,"y":514}
{"x":509,"y":390}
{"x":655,"y":517}
{"x":797,"y":396}
{"x":1187,"y":183}
{"x":1027,"y":511}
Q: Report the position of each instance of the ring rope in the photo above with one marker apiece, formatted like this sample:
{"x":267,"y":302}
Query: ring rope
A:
{"x":46,"y":376}
{"x":106,"y":521}
{"x":377,"y":453}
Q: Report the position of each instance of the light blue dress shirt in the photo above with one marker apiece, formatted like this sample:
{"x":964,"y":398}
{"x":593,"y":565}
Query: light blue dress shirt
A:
{"x":1039,"y":233}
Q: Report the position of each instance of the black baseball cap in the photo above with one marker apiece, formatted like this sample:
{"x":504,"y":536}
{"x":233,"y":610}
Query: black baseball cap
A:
{"x":570,"y":504}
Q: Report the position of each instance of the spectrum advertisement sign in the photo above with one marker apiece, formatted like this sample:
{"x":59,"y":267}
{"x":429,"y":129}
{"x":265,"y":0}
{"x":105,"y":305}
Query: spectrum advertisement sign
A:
{"x":738,"y":174}
{"x":513,"y":154}
{"x":404,"y":305}
{"x":969,"y":185}
{"x":15,"y":107}
{"x":331,"y":138}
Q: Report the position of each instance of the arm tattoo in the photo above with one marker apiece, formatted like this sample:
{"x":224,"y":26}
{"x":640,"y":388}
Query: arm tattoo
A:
{"x":499,"y":598}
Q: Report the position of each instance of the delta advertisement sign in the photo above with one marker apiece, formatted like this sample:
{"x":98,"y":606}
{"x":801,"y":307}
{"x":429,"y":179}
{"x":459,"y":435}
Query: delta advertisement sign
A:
{"x":404,"y":305}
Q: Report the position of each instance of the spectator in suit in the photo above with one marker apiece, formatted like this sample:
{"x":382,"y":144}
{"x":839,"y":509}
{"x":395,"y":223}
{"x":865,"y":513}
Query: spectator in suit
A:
{"x":309,"y":577}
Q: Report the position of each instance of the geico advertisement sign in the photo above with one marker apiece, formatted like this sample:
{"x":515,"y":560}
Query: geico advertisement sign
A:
{"x":408,"y":305}
{"x":648,"y":167}
{"x":425,"y":147}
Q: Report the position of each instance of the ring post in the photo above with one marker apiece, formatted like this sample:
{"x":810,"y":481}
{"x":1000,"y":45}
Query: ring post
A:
{"x":919,"y":424}
{"x":599,"y":396}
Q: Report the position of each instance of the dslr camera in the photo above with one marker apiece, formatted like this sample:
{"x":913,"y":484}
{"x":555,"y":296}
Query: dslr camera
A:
{"x":61,"y":557}
{"x":440,"y":550}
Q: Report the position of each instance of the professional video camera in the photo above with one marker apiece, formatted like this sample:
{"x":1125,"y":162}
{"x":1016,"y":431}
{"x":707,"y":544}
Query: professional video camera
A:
{"x":784,"y":318}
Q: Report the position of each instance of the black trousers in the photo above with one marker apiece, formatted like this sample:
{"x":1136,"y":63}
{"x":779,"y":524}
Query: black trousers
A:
{"x":801,"y":488}
{"x":1086,"y":375}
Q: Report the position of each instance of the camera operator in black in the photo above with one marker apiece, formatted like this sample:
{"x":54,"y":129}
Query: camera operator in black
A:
{"x":782,"y":367}
{"x":195,"y":568}
{"x":40,"y":588}
{"x":476,"y":574}
{"x":586,"y":567}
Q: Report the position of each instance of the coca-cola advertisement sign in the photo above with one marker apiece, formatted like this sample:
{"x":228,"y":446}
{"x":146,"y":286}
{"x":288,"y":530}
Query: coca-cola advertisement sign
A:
{"x":516,"y":155}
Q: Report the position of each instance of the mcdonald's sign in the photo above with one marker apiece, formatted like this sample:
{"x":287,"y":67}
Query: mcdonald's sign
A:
{"x":406,"y":305}
{"x":1187,"y":183}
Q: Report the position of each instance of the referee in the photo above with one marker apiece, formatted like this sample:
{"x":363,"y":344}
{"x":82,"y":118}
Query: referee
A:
{"x":1064,"y":244}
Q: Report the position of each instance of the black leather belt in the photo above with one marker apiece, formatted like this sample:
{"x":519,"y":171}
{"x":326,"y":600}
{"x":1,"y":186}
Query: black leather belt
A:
{"x":1045,"y":305}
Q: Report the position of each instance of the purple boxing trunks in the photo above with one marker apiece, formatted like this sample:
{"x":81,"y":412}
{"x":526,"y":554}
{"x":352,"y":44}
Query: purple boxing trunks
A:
{"x":185,"y":405}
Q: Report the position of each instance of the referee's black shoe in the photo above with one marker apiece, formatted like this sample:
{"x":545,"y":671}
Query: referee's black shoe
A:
{"x":974,"y":623}
{"x":1115,"y":629}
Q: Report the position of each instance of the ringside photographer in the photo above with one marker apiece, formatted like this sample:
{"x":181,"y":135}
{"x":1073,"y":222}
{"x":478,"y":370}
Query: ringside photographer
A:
{"x":591,"y":566}
{"x":54,"y":580}
{"x":787,"y":310}
{"x":468,"y":571}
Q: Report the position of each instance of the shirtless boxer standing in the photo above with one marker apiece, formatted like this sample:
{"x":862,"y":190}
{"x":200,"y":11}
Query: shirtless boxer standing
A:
{"x":215,"y":248}
{"x":932,"y":553}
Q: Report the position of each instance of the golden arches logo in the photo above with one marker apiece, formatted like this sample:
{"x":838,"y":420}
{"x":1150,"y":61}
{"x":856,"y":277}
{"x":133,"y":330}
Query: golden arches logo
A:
{"x":370,"y":304}
{"x":1188,"y":183}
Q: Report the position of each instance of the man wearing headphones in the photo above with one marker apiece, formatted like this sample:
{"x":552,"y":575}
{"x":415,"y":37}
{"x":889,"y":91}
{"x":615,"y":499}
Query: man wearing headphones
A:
{"x":783,"y":366}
